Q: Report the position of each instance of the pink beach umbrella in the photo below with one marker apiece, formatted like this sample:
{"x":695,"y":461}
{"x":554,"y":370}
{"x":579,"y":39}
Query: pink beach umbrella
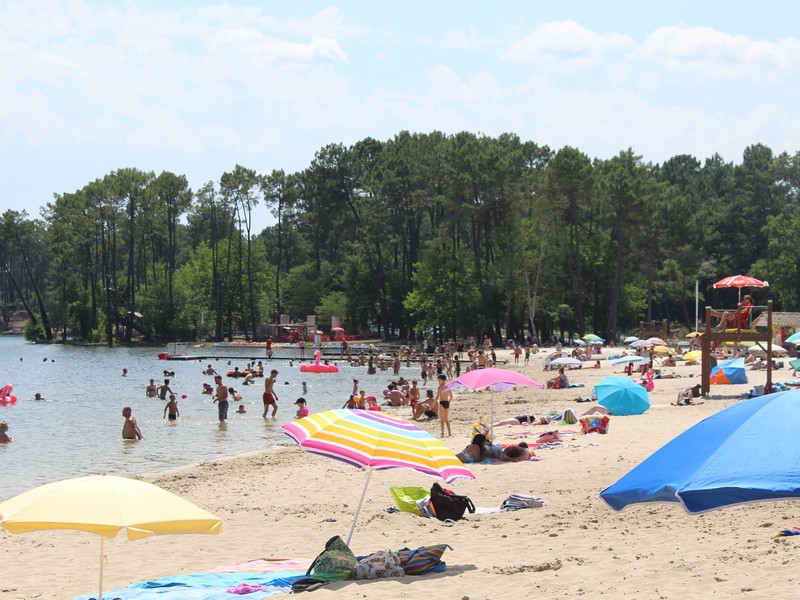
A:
{"x":493,"y":379}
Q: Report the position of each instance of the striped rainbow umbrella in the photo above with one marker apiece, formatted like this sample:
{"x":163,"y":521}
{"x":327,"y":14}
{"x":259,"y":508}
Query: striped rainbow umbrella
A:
{"x":374,"y":440}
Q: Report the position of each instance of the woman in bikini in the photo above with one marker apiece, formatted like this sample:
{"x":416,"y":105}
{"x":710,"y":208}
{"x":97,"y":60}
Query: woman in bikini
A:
{"x":443,"y":397}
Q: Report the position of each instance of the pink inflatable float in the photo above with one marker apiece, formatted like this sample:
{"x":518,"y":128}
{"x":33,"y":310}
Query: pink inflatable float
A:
{"x":6,"y":397}
{"x":316,"y":367}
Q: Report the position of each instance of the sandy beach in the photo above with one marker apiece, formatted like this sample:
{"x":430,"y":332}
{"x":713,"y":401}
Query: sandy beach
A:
{"x":285,"y":503}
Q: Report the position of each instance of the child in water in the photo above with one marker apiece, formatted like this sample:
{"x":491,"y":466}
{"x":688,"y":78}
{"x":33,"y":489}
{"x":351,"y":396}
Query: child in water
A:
{"x":4,"y":437}
{"x":302,"y":409}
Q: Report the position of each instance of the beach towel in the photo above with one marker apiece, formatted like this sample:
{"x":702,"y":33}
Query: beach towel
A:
{"x":264,"y":565}
{"x":519,"y":501}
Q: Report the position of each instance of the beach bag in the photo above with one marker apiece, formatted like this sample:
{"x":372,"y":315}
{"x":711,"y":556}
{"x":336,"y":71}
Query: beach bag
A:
{"x":423,"y":560}
{"x":448,"y":506}
{"x":337,"y":562}
{"x":379,"y":565}
{"x":405,"y":498}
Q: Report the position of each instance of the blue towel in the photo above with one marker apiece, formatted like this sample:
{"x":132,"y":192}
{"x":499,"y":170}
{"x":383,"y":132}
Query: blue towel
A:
{"x":202,"y":586}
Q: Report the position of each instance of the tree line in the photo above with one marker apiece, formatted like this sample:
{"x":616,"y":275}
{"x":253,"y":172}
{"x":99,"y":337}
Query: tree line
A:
{"x":424,"y":234}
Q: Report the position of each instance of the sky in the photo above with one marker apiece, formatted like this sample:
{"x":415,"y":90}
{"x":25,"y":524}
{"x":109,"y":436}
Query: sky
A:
{"x":198,"y":87}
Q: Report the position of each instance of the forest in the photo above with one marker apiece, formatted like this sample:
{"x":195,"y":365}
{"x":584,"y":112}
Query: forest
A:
{"x":422,"y":235}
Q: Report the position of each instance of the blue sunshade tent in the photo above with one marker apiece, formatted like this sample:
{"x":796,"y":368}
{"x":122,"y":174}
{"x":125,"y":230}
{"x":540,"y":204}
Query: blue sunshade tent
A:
{"x":622,"y":396}
{"x":749,"y":452}
{"x":731,"y":371}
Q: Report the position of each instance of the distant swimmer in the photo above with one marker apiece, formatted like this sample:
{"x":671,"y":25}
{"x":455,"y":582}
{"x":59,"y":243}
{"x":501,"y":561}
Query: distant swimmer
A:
{"x":221,"y":398}
{"x":209,"y":371}
{"x":38,"y":396}
{"x":151,"y":390}
{"x":4,"y":437}
{"x":130,"y":430}
{"x":124,"y":372}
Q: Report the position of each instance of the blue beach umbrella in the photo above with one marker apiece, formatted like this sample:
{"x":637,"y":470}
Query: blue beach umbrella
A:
{"x":793,"y":339}
{"x":731,"y":371}
{"x":749,"y":452}
{"x":622,"y":396}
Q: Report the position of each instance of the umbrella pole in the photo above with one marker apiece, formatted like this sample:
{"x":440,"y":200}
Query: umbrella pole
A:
{"x":102,"y":557}
{"x":491,"y":417}
{"x":360,"y":502}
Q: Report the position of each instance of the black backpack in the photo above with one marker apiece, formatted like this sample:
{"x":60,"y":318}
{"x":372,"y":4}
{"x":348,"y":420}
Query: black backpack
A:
{"x":449,"y":506}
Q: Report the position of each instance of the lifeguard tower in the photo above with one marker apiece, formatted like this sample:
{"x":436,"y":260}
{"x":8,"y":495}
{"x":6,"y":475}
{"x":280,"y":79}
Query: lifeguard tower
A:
{"x":648,"y":329}
{"x":712,"y":339}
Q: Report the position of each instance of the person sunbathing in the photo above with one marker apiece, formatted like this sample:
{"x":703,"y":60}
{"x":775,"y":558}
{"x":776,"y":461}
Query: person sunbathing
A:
{"x":523,"y":420}
{"x":476,"y":451}
{"x":516,"y":453}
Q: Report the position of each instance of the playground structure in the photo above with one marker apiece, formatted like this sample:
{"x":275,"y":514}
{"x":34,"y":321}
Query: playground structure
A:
{"x":648,"y":329}
{"x":711,"y":339}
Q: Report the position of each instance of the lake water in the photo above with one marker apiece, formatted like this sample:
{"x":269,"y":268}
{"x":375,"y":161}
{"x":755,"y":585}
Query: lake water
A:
{"x":77,"y":429}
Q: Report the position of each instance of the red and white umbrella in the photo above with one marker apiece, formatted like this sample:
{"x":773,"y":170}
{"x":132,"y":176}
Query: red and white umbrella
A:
{"x":740,"y":281}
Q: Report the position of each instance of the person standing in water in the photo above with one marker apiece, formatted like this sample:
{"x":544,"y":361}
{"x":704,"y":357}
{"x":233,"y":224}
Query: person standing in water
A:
{"x":130,"y":429}
{"x":270,"y":397}
{"x":221,"y":398}
{"x":172,"y":408}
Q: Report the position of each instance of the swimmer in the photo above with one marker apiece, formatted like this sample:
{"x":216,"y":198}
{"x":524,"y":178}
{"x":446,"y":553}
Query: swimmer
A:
{"x":172,"y":408}
{"x":130,"y":429}
{"x":124,"y":372}
{"x":302,"y":409}
{"x":241,"y":410}
{"x":164,"y":390}
{"x":305,"y":388}
{"x":37,"y":396}
{"x":151,"y":390}
{"x":221,"y":397}
{"x":209,"y":370}
{"x":207,"y":389}
{"x":4,"y":437}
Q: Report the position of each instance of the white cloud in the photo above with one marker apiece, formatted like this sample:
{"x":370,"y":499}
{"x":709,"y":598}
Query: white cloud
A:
{"x":715,"y":54}
{"x":565,"y":43}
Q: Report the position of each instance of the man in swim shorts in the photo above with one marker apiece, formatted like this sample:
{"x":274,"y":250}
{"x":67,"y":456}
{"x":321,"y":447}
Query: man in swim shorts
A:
{"x":270,"y":397}
{"x":130,"y":429}
{"x":172,"y":408}
{"x":221,"y":398}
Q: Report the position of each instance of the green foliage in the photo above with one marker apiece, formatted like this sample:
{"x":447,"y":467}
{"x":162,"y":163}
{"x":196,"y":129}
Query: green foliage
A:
{"x":333,"y":304}
{"x":461,"y":234}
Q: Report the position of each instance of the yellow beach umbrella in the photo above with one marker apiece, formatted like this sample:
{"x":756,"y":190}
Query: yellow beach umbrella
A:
{"x":693,"y":355}
{"x":104,"y":505}
{"x":693,"y":334}
{"x":662,"y":350}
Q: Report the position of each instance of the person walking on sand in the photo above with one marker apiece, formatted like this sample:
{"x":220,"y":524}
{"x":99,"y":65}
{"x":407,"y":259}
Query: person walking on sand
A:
{"x":172,"y":408}
{"x":221,"y":398}
{"x":130,"y":429}
{"x":270,"y":397}
{"x":444,"y":397}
